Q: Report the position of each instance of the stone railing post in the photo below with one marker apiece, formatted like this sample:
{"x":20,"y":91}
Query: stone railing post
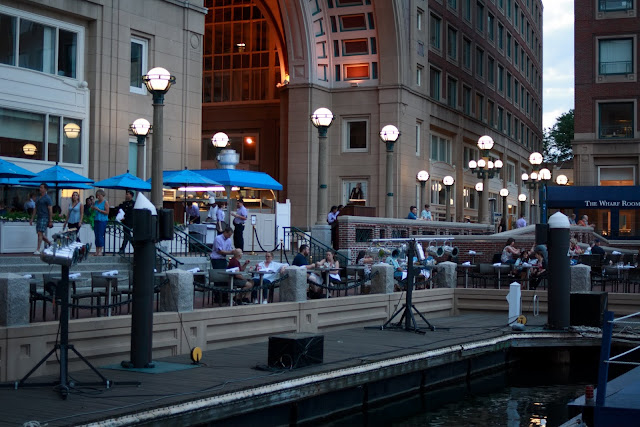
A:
{"x":580,"y":278}
{"x":447,"y":276}
{"x":294,"y":287}
{"x":382,"y":280}
{"x":177,"y":295}
{"x":14,"y":300}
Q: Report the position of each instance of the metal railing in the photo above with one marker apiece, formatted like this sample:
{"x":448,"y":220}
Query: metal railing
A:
{"x":184,"y":244}
{"x":115,"y":235}
{"x":614,"y":5}
{"x":294,"y":237}
{"x":616,"y":67}
{"x":165,"y":261}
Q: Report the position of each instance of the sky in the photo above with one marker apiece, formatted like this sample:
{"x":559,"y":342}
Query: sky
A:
{"x":557,"y":72}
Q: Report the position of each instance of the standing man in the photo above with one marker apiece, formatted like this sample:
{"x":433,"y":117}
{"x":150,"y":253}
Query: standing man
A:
{"x":332,"y":220}
{"x":44,"y":211}
{"x":220,"y":225}
{"x":521,"y":222}
{"x":193,"y":213}
{"x":127,"y":221}
{"x":221,"y":248}
{"x":239,"y":217}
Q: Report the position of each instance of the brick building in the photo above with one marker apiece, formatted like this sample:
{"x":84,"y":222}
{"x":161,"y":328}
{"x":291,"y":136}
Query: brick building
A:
{"x":607,"y":142}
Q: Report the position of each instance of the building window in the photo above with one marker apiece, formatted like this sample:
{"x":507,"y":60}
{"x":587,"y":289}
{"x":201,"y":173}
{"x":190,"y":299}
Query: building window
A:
{"x":479,"y":62}
{"x":355,"y":134}
{"x":508,"y":45}
{"x":500,"y":36}
{"x":419,"y":75}
{"x":452,"y":43}
{"x":614,"y":5}
{"x":509,"y":124}
{"x":616,"y":175}
{"x":467,"y":10}
{"x":466,"y":53}
{"x":49,"y":46}
{"x":440,"y":149}
{"x":509,"y":78}
{"x":470,"y":197}
{"x":616,"y":120}
{"x":435,"y":83}
{"x":491,"y":71}
{"x":434,"y":32}
{"x":511,"y":172}
{"x":615,"y":56}
{"x":349,"y":188}
{"x":139,"y":49}
{"x":453,"y":4}
{"x":500,"y":78}
{"x":452,"y":92}
{"x":468,"y":155}
{"x":419,"y":19}
{"x":501,"y":119}
{"x":418,"y":136}
{"x":466,"y":100}
{"x":480,"y":17}
{"x":132,"y":165}
{"x":490,"y":24}
{"x":23,"y":135}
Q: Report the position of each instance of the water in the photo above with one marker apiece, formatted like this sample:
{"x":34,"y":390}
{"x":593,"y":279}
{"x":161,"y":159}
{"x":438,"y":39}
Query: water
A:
{"x":533,"y":393}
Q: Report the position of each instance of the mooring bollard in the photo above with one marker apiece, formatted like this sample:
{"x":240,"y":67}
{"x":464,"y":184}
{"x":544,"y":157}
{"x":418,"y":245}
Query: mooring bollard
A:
{"x":559,"y":271}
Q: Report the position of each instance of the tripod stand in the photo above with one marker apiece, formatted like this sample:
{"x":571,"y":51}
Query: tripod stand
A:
{"x":64,"y":385}
{"x":408,"y":308}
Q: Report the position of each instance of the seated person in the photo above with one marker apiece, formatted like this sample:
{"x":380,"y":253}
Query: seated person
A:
{"x":332,"y":264}
{"x":519,"y":271}
{"x":313,"y":279}
{"x":539,"y":270}
{"x":510,"y":252}
{"x":574,"y":250}
{"x":366,"y":261}
{"x":275,"y":269}
{"x":393,"y":261}
{"x":234,"y":262}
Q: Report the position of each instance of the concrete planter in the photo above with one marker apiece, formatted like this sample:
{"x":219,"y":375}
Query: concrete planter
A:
{"x":20,"y":237}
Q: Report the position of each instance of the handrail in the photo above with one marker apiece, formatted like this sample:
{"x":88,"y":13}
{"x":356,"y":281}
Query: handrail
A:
{"x":165,"y":258}
{"x":317,"y":249}
{"x":114,"y":235}
{"x":191,"y":244}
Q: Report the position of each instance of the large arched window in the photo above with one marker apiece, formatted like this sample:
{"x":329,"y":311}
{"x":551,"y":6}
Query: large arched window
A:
{"x":240,"y":58}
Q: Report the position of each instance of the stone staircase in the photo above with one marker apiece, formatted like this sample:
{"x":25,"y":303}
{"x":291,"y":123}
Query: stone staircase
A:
{"x":31,"y":264}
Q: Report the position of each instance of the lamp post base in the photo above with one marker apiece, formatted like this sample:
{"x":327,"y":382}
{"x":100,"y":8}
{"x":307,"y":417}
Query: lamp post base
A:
{"x":322,"y":234}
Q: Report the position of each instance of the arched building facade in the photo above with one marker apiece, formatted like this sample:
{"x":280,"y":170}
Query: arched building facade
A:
{"x":443,"y":72}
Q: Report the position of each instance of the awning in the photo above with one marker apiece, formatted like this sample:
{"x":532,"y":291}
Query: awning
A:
{"x":237,"y":178}
{"x":594,"y":197}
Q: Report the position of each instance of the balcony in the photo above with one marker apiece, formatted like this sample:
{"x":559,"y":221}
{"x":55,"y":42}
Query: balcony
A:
{"x":617,"y":67}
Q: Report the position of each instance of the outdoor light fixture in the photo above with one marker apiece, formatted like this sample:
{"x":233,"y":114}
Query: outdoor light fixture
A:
{"x":562,"y":180}
{"x":220,"y":140}
{"x":322,"y":119}
{"x":504,"y":192}
{"x":479,"y":187}
{"x":423,"y":177}
{"x":158,"y":82}
{"x":140,"y":128}
{"x":541,"y":176}
{"x":389,"y":135}
{"x":485,"y":169}
{"x":522,"y":197}
{"x":448,"y":182}
{"x":29,"y":149}
{"x":71,"y":130}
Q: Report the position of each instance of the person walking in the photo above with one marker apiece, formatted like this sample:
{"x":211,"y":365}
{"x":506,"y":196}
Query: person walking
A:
{"x":127,"y":221}
{"x":239,"y":218}
{"x":44,"y":213}
{"x":521,"y":222}
{"x":101,"y":209}
{"x":75,"y":215}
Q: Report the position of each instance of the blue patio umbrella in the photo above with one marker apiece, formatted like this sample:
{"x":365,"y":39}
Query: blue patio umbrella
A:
{"x":58,"y":177}
{"x":185,"y":178}
{"x":125,"y":181}
{"x":9,"y":170}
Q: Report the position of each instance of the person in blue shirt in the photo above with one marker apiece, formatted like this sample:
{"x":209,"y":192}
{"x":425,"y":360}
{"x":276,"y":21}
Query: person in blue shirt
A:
{"x":413,"y":213}
{"x":393,"y":261}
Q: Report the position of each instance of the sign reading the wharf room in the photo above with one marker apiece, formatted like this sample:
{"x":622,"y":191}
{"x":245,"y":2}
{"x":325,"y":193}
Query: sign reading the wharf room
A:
{"x":612,"y":204}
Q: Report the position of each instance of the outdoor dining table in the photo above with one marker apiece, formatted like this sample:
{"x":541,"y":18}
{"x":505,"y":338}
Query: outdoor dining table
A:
{"x":327,"y":276}
{"x":466,"y":268}
{"x":499,"y":268}
{"x":232,"y":275}
{"x":111,"y":282}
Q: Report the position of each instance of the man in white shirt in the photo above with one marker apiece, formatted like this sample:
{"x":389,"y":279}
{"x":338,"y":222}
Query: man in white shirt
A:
{"x":221,"y":248}
{"x":239,"y":218}
{"x":521,"y":222}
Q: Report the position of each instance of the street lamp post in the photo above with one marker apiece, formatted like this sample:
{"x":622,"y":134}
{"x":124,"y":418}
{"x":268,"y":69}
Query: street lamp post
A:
{"x":485,"y":169}
{"x":522,"y":198}
{"x":504,"y":193}
{"x":422,"y":177}
{"x":544,"y":176}
{"x":321,"y":119}
{"x":389,"y":135}
{"x":480,"y":189}
{"x":158,"y":82}
{"x":562,"y":180}
{"x":140,"y":128}
{"x":448,"y":182}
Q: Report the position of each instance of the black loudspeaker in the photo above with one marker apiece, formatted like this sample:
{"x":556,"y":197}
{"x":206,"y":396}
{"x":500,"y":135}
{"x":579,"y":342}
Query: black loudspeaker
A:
{"x":587,"y":308}
{"x":293,"y":351}
{"x":165,"y":224}
{"x":542,"y":231}
{"x":143,"y":225}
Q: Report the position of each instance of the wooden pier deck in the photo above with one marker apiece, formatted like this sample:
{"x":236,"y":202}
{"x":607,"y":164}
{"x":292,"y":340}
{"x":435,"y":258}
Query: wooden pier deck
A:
{"x":364,"y":362}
